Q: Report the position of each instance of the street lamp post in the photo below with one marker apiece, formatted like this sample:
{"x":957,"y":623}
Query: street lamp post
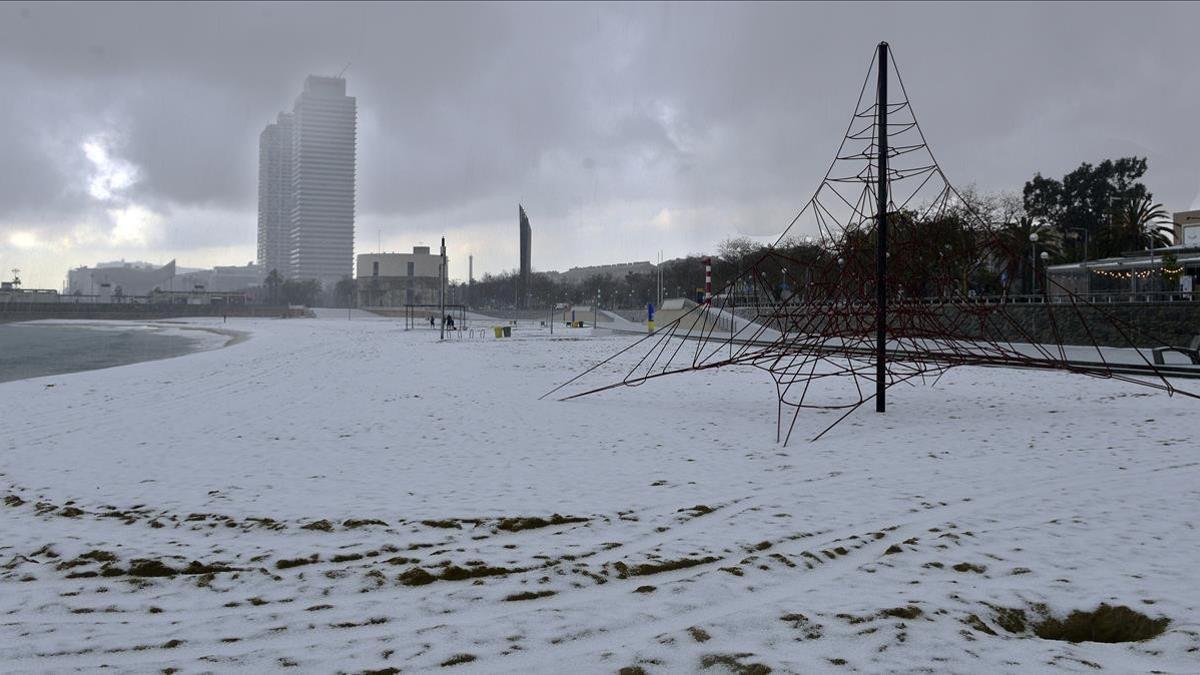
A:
{"x":1150,"y":273}
{"x":1087,"y":275}
{"x":442,"y":292}
{"x":1045,"y":256}
{"x":1033,"y":239}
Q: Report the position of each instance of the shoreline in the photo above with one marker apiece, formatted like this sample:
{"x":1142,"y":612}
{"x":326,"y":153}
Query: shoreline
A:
{"x":236,"y":337}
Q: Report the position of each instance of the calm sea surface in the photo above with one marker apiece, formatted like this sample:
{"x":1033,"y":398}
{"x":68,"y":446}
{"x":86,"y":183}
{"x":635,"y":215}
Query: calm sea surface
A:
{"x":33,"y":350}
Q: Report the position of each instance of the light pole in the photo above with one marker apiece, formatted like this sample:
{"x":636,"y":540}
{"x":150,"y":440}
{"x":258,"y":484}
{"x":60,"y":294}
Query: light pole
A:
{"x":1087,"y":275}
{"x":1033,"y":239}
{"x":1150,"y":273}
{"x":1045,"y":256}
{"x":442,"y":292}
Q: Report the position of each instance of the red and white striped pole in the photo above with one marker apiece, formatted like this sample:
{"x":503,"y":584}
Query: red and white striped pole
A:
{"x":708,"y":281}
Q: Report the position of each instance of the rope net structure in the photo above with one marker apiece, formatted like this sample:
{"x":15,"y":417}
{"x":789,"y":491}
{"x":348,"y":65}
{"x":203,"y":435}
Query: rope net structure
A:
{"x":808,"y":310}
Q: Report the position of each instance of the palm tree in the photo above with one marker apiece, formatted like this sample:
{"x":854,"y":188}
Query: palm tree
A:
{"x":1011,"y":247}
{"x":344,"y":290}
{"x":1136,"y":226}
{"x":273,"y":282}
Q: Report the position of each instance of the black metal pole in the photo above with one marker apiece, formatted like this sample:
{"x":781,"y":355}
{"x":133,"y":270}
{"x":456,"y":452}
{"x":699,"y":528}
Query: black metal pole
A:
{"x":442,"y":292}
{"x":881,"y":235}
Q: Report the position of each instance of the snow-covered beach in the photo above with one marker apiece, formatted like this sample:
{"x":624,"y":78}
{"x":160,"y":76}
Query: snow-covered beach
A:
{"x":345,"y":495}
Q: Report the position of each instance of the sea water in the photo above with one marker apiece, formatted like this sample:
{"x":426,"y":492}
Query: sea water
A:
{"x":37,"y":349}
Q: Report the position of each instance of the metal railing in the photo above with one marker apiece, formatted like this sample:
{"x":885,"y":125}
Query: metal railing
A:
{"x":1123,"y":297}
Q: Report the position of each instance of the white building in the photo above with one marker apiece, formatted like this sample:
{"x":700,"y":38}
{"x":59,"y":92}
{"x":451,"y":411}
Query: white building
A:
{"x":220,"y":279}
{"x":323,"y":173}
{"x":275,"y":195}
{"x":139,"y":279}
{"x":119,"y":278}
{"x":306,"y":177}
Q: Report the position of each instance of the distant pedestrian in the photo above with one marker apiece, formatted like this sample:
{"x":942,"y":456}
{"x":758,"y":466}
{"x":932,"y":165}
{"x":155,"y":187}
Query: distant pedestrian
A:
{"x":449,"y":322}
{"x":431,"y":321}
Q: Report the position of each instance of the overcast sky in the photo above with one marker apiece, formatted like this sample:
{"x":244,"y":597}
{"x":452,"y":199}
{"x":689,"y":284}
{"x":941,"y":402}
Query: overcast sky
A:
{"x":131,"y":131}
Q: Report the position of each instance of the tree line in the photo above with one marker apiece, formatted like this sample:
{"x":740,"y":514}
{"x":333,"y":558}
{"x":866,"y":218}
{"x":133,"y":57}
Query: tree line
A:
{"x":978,"y":243}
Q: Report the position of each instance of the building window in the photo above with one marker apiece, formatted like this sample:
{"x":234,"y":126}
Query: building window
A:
{"x":411,"y":269}
{"x":375,"y":268}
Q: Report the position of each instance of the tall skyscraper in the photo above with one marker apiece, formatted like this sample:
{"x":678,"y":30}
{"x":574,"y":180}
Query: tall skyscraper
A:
{"x":306,"y":177}
{"x":323,"y":172}
{"x":523,"y":292}
{"x":275,"y":196}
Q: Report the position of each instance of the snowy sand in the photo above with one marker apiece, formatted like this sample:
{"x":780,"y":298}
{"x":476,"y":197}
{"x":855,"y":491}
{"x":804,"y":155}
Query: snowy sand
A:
{"x":336,"y":495}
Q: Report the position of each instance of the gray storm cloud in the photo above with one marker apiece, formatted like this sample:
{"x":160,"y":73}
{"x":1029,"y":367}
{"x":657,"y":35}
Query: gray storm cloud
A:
{"x":595,"y":116}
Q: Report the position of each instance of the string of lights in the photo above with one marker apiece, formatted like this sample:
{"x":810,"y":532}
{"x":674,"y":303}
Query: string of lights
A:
{"x":1140,"y":274}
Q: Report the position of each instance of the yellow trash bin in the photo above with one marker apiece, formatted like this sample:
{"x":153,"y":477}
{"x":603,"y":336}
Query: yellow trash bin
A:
{"x":499,"y":331}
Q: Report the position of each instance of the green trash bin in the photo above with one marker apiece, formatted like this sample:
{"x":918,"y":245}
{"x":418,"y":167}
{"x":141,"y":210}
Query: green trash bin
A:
{"x":508,"y":331}
{"x":499,"y":331}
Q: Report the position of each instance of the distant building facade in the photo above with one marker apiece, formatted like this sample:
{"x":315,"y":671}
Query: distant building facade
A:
{"x":275,"y":195}
{"x":578,"y":275}
{"x":398,"y":279}
{"x":526,"y":278}
{"x":221,"y":279}
{"x":139,"y":279}
{"x":10,"y":292}
{"x":119,"y":278}
{"x":307,"y":172}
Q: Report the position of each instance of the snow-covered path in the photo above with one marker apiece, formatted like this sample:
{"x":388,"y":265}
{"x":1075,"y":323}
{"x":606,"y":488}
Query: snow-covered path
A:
{"x":346,"y":495}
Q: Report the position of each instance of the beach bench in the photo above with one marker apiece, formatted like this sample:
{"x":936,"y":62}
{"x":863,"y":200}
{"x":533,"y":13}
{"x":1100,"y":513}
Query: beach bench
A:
{"x":1192,"y":351}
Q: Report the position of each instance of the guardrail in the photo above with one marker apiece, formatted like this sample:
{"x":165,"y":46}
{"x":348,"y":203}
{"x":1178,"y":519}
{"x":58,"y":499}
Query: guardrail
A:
{"x":1146,"y":297}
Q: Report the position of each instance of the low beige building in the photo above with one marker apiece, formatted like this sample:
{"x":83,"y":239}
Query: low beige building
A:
{"x":398,"y":279}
